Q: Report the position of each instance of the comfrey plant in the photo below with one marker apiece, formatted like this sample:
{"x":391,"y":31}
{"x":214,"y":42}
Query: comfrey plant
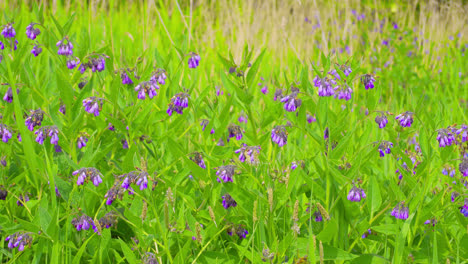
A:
{"x":95,"y":61}
{"x":228,"y":201}
{"x":198,"y":159}
{"x":85,"y":174}
{"x":93,"y":105}
{"x":356,"y":194}
{"x":5,"y":133}
{"x":385,"y":148}
{"x":48,"y":131}
{"x":368,"y":81}
{"x":446,"y":137}
{"x":406,"y":119}
{"x":34,"y":119}
{"x":279,"y":135}
{"x":235,"y":131}
{"x":249,"y":153}
{"x":291,"y":102}
{"x":400,"y":211}
{"x":19,"y":240}
{"x":139,"y":178}
{"x":32,"y":32}
{"x":381,"y":119}
{"x":194,"y":60}
{"x":146,"y":88}
{"x":225,"y":173}
{"x":178,"y":103}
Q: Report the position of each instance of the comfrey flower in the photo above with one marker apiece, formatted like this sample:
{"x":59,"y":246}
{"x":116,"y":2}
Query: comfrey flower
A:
{"x":8,"y":97}
{"x":325,"y":86}
{"x":125,"y":78}
{"x":65,"y":47}
{"x":311,"y":118}
{"x":81,"y":142}
{"x":406,"y":119}
{"x":146,"y":88}
{"x":344,"y":92}
{"x":96,"y":62}
{"x":264,"y":89}
{"x":249,"y":153}
{"x":463,"y":167}
{"x":19,"y":240}
{"x":225,"y":173}
{"x":194,"y":60}
{"x":381,"y":120}
{"x":108,"y":220}
{"x":34,"y":119}
{"x":367,"y":233}
{"x":72,"y":62}
{"x":85,"y":174}
{"x":293,"y":165}
{"x":356,"y":194}
{"x":464,"y":133}
{"x":44,"y":132}
{"x":317,"y":216}
{"x":178,"y":103}
{"x":445,"y":137}
{"x":83,"y":222}
{"x":93,"y":105}
{"x":228,"y":201}
{"x":278,"y":94}
{"x":5,"y":133}
{"x":291,"y":102}
{"x":279,"y":135}
{"x":464,"y":208}
{"x":239,"y":231}
{"x":36,"y":50}
{"x":385,"y":148}
{"x":242,"y":119}
{"x":3,"y":193}
{"x":139,"y":178}
{"x":8,"y":31}
{"x":400,"y":211}
{"x":53,"y":134}
{"x":368,"y":81}
{"x":159,"y":76}
{"x":431,"y":221}
{"x":198,"y":159}
{"x":235,"y":131}
{"x":454,"y":196}
{"x":149,"y":258}
{"x":63,"y":108}
{"x":32,"y":32}
{"x":22,"y":199}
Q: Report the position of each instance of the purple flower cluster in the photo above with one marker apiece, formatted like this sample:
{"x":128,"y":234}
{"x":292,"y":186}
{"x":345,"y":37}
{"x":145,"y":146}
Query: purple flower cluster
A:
{"x":250,"y":152}
{"x":44,"y":132}
{"x":198,"y":159}
{"x":36,"y":50}
{"x":228,"y":201}
{"x":159,"y":76}
{"x":93,"y":105}
{"x":85,"y":174}
{"x":291,"y":102}
{"x":72,"y":62}
{"x":139,"y":178}
{"x":463,"y":167}
{"x":97,"y":62}
{"x":117,"y":191}
{"x":317,"y":216}
{"x":8,"y":31}
{"x":445,"y":137}
{"x":146,"y":88}
{"x":325,"y":86}
{"x":344,"y":92}
{"x":204,"y":123}
{"x":368,"y":81}
{"x":406,"y":119}
{"x":178,"y":103}
{"x":311,"y":118}
{"x":32,"y":32}
{"x":356,"y":194}
{"x":34,"y":119}
{"x":19,"y":240}
{"x":385,"y":148}
{"x":225,"y":173}
{"x":400,"y":211}
{"x":464,"y":208}
{"x":5,"y":133}
{"x":279,"y":135}
{"x":83,"y":222}
{"x":8,"y":97}
{"x":264,"y":89}
{"x":242,"y":119}
{"x":367,"y":233}
{"x":464,"y":133}
{"x":125,"y":78}
{"x":194,"y":60}
{"x":65,"y":47}
{"x":238,"y":230}
{"x":381,"y":120}
{"x":81,"y":142}
{"x":235,"y":131}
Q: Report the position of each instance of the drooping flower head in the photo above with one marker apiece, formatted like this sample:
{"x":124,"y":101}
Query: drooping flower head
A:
{"x":72,"y":62}
{"x":463,"y":132}
{"x":240,"y":231}
{"x":93,"y":105}
{"x":146,"y":88}
{"x":400,"y":211}
{"x":34,"y":119}
{"x":82,"y":222}
{"x":95,"y":62}
{"x":406,"y":119}
{"x":291,"y":102}
{"x":32,"y":32}
{"x":19,"y":240}
{"x":62,"y":108}
{"x":464,"y":208}
{"x":36,"y":50}
{"x":117,"y":191}
{"x":278,"y":94}
{"x":82,"y":140}
{"x":381,"y":120}
{"x":385,"y":148}
{"x":53,"y":134}
{"x":463,"y":167}
{"x":242,"y":118}
{"x":225,"y":173}
{"x":228,"y":201}
{"x":249,"y":153}
{"x":445,"y":137}
{"x":343,"y":92}
{"x":8,"y":31}
{"x":5,"y":133}
{"x":311,"y":118}
{"x":356,"y":194}
{"x":138,"y":177}
{"x":198,"y":159}
{"x":317,"y":216}
{"x":325,"y":86}
{"x":8,"y":97}
{"x":279,"y":135}
{"x":3,"y":192}
{"x":48,"y":131}
{"x":178,"y":103}
{"x":159,"y":76}
{"x":85,"y":174}
{"x":125,"y":78}
{"x":194,"y":60}
{"x":235,"y":131}
{"x":368,"y":81}
{"x":65,"y":47}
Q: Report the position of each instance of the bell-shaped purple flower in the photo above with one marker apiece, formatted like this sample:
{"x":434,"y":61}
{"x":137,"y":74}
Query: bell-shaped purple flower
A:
{"x":32,"y":32}
{"x":145,"y":88}
{"x":385,"y":148}
{"x":125,"y":78}
{"x":8,"y":31}
{"x":36,"y":50}
{"x":225,"y":173}
{"x":194,"y":60}
{"x":400,"y":211}
{"x":445,"y":137}
{"x":325,"y":86}
{"x":368,"y":81}
{"x":5,"y":133}
{"x":406,"y":119}
{"x":65,"y":47}
{"x":463,"y":131}
{"x":228,"y":201}
{"x":279,"y":135}
{"x":81,"y":142}
{"x":93,"y":105}
{"x":356,"y":194}
{"x":8,"y":97}
{"x":463,"y":167}
{"x":159,"y":76}
{"x":72,"y":62}
{"x":381,"y":120}
{"x":53,"y":134}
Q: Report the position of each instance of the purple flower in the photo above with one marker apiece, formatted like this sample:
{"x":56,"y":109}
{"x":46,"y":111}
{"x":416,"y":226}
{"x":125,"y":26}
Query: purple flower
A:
{"x":93,"y":105}
{"x":62,"y":109}
{"x":344,"y":92}
{"x":278,"y":94}
{"x":139,"y":178}
{"x":463,"y":167}
{"x":395,"y":25}
{"x":19,"y":240}
{"x":242,"y":119}
{"x":194,"y":60}
{"x":82,"y":68}
{"x":8,"y":95}
{"x":432,"y":221}
{"x":5,"y":133}
{"x":72,"y":62}
{"x":385,"y":42}
{"x":3,"y":162}
{"x":82,"y":142}
{"x":159,"y":76}
{"x":40,"y":137}
{"x":291,"y":102}
{"x":406,"y":119}
{"x":279,"y":135}
{"x":325,"y":86}
{"x":264,"y":89}
{"x":124,"y":144}
{"x":65,"y":47}
{"x":239,"y":231}
{"x":367,"y":233}
{"x":356,"y":194}
{"x":98,"y":64}
{"x":250,"y":152}
{"x":311,"y":118}
{"x":198,"y":159}
{"x":53,"y":134}
{"x":34,"y":119}
{"x":381,"y":120}
{"x":235,"y":131}
{"x":464,"y":133}
{"x":146,"y":88}
{"x":225,"y":173}
{"x":445,"y":137}
{"x":464,"y":208}
{"x":125,"y":78}
{"x":1,"y":48}
{"x":368,"y":81}
{"x":178,"y":103}
{"x":204,"y":123}
{"x":454,"y":196}
{"x":8,"y":31}
{"x":36,"y":50}
{"x":3,"y":193}
{"x":57,"y":148}
{"x":385,"y":148}
{"x":111,"y":127}
{"x":32,"y":32}
{"x":318,"y":216}
{"x":400,"y":211}
{"x":326,"y":133}
{"x":82,"y":222}
{"x":85,"y":174}
{"x":228,"y":201}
